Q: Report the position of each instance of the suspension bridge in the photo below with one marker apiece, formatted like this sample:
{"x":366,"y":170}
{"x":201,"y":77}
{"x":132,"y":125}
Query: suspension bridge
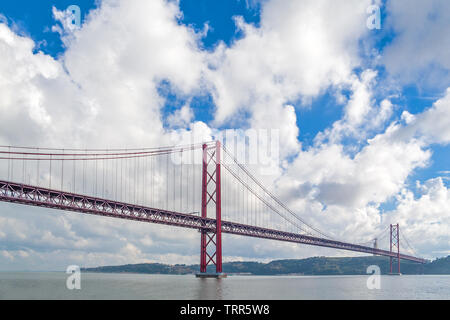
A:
{"x":197,"y":186}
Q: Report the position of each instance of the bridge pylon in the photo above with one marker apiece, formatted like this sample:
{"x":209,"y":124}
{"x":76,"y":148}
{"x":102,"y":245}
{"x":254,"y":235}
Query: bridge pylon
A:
{"x":211,"y":240}
{"x":394,"y":243}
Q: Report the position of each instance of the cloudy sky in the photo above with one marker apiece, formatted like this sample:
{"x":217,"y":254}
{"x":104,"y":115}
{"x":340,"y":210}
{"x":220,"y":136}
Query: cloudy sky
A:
{"x":363,"y":114}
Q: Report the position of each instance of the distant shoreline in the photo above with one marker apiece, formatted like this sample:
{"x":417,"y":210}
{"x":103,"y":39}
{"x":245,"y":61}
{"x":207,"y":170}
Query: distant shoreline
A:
{"x":316,"y":266}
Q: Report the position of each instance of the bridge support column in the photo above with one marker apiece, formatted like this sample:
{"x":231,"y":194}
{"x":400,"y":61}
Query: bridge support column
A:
{"x":395,"y":242}
{"x":211,"y":240}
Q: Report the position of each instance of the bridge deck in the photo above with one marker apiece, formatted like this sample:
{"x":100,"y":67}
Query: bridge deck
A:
{"x":48,"y":198}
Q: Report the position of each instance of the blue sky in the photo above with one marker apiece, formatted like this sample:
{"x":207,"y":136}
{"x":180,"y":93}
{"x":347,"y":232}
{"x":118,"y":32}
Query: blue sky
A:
{"x":262,"y":73}
{"x":35,"y":19}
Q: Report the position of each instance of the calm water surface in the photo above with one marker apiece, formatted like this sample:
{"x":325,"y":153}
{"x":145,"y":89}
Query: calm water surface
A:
{"x":161,"y":287}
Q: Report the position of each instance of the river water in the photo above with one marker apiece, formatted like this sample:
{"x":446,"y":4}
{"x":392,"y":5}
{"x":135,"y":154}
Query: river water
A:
{"x":52,"y":285}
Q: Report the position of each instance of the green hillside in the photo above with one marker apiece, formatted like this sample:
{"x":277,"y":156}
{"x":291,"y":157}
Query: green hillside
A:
{"x":310,"y":266}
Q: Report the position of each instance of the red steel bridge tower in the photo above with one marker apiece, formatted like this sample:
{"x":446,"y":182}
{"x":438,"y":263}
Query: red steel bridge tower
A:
{"x":211,"y":241}
{"x":395,"y":243}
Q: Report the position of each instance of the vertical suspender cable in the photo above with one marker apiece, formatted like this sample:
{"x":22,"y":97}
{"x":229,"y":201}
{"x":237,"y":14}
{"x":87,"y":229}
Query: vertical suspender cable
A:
{"x":9,"y":163}
{"x":96,"y":169}
{"x":174,"y":189}
{"x":103,"y":177}
{"x":152,"y":178}
{"x":193,"y":180}
{"x":167,"y":181}
{"x":144,"y":196}
{"x":62,"y":172}
{"x":74,"y":176}
{"x":121,"y":180}
{"x":23,"y":169}
{"x":181,"y":182}
{"x":37,"y":170}
{"x":84,"y":172}
{"x":50,"y":181}
{"x":115,"y":179}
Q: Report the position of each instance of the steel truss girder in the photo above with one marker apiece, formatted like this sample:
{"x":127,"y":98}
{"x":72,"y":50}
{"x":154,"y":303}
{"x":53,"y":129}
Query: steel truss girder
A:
{"x":42,"y":197}
{"x":48,"y":198}
{"x":258,"y":232}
